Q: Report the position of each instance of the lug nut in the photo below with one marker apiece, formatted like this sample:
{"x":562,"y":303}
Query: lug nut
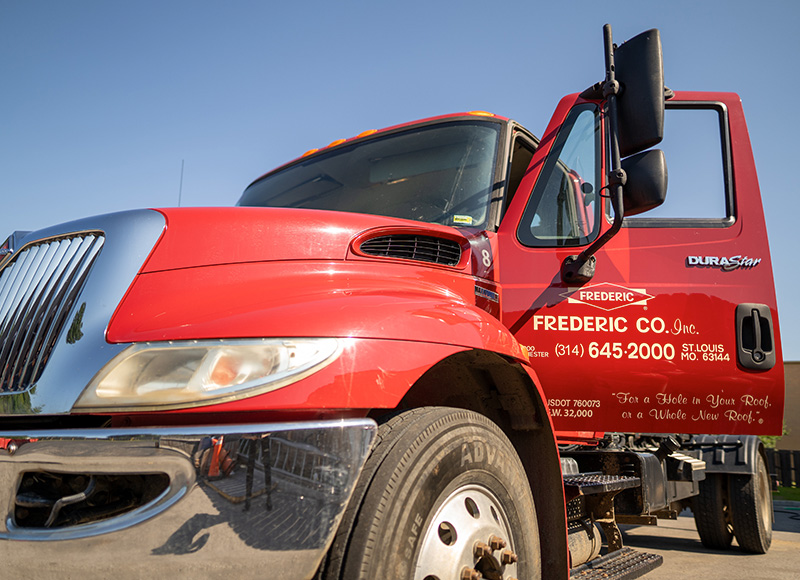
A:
{"x":481,"y":550}
{"x":470,"y":574}
{"x":508,"y":557}
{"x":496,"y":543}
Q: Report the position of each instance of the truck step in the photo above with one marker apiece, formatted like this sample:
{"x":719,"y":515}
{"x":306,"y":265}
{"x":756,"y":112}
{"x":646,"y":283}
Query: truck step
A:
{"x":589,"y":484}
{"x":624,"y":564}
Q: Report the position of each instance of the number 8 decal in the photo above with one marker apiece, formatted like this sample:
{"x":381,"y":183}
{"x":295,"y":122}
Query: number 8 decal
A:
{"x":487,"y":258}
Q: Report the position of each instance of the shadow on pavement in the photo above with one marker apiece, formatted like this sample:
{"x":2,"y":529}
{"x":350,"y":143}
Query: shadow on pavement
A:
{"x":657,"y":540}
{"x":681,"y":534}
{"x":787,"y":516}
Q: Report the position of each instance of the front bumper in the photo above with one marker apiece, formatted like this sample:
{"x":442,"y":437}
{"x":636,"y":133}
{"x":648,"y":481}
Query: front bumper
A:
{"x":224,"y":501}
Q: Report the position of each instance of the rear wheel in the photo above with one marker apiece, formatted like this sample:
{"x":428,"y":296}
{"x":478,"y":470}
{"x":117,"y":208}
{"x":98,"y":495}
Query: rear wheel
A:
{"x":712,"y":513}
{"x":751,"y":505}
{"x":443,"y":496}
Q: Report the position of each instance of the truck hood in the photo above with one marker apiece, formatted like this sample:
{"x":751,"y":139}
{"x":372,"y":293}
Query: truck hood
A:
{"x":196,"y":237}
{"x":95,"y":263}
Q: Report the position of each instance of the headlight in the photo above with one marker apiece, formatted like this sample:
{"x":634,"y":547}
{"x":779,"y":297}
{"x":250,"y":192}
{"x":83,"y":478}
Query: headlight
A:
{"x":164,"y":375}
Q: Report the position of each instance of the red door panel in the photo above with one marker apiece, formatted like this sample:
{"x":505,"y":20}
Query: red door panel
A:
{"x":653,"y":343}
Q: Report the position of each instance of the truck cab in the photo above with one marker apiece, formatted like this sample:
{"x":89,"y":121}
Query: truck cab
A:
{"x":445,"y":349}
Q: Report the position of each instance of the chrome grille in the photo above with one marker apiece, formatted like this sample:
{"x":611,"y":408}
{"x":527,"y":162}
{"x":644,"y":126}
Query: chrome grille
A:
{"x":420,"y":248}
{"x":38,"y":287}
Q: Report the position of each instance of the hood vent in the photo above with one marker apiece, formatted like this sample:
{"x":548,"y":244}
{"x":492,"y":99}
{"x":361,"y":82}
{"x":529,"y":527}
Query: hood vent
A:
{"x":410,"y":247}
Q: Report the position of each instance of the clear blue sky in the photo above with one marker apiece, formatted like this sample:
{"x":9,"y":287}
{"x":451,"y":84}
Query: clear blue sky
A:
{"x":101,"y":101}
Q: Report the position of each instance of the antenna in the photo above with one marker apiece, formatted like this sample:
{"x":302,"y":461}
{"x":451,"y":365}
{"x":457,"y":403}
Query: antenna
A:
{"x":180,"y":187}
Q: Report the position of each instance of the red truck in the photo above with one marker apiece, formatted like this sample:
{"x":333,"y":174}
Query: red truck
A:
{"x":443,"y":350}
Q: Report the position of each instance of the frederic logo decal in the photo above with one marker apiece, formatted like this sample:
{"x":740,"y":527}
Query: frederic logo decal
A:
{"x":607,"y":296}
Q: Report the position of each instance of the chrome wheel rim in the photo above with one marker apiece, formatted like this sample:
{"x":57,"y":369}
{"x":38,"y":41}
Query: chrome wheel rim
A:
{"x":468,"y":535}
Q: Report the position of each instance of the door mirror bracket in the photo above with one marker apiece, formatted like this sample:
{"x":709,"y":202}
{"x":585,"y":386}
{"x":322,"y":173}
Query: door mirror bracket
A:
{"x":575,"y":270}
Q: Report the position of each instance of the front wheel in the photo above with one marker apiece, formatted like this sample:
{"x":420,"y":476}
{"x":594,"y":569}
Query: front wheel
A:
{"x":443,"y":496}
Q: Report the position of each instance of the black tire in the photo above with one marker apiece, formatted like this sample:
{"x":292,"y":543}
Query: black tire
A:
{"x":437,"y":481}
{"x":751,"y":506}
{"x":712,"y":513}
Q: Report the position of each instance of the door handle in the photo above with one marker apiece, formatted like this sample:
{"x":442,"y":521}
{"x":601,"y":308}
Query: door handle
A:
{"x":755,"y":337}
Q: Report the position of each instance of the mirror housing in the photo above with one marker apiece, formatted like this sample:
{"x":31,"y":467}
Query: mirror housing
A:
{"x":639,"y":70}
{"x":646,"y":186}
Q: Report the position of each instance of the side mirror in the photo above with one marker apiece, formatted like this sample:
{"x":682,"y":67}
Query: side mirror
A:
{"x":646,"y":187}
{"x":634,"y":92}
{"x":640,"y":104}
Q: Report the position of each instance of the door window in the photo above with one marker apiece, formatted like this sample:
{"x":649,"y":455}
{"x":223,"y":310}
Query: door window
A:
{"x":698,"y":192}
{"x":563,"y":208}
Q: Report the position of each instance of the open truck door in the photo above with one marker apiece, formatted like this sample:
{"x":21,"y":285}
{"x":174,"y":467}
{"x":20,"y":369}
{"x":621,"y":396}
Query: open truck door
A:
{"x":660,"y":317}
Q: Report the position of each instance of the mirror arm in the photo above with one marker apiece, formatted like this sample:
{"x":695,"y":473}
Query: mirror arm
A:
{"x":580,"y":269}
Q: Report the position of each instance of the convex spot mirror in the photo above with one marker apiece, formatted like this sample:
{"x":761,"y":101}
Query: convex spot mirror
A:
{"x":639,"y":69}
{"x":646,"y":186}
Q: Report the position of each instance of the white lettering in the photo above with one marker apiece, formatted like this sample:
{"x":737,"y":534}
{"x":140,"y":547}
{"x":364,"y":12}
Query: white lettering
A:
{"x":751,"y":401}
{"x":603,"y":296}
{"x":645,"y":325}
{"x":718,"y":400}
{"x":591,"y":323}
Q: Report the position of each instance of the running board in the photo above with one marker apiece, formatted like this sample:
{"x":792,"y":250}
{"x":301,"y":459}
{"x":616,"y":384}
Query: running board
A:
{"x":624,"y":564}
{"x":595,"y":483}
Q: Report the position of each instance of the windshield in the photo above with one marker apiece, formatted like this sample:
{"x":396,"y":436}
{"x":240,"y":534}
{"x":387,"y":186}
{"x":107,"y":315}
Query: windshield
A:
{"x":440,"y":174}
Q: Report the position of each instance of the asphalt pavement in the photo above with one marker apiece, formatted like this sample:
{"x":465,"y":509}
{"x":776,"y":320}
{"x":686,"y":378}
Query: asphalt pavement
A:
{"x":686,"y":558}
